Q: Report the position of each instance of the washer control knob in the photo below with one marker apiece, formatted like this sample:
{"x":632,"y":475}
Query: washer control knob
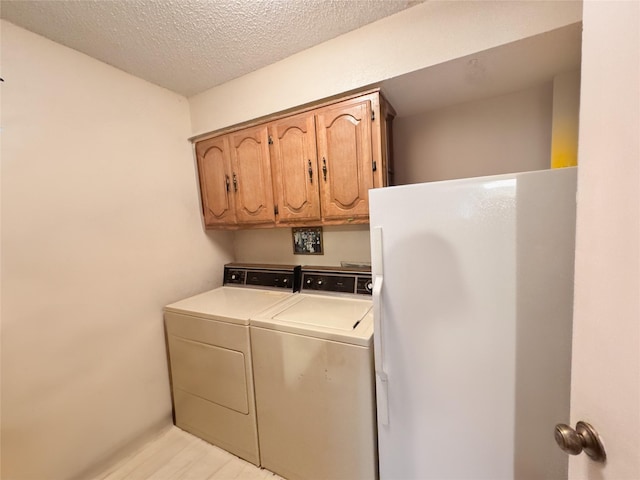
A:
{"x":369,"y":286}
{"x":319,"y":282}
{"x":233,"y":276}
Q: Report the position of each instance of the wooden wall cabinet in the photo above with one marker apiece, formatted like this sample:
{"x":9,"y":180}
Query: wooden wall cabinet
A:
{"x":306,"y":168}
{"x":235,"y":179}
{"x":295,"y":168}
{"x":251,"y":170}
{"x":214,"y":169}
{"x":344,"y":152}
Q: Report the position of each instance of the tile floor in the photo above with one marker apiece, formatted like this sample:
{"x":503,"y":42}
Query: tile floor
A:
{"x":178,"y":455}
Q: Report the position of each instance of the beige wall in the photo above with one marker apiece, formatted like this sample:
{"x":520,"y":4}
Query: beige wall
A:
{"x":605,"y":389}
{"x":421,"y":36}
{"x":100,"y":229}
{"x":509,"y":133}
{"x":346,"y":243}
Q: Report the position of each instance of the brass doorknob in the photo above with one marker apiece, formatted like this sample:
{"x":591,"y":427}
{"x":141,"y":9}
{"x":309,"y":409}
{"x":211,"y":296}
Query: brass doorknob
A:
{"x":583,"y":438}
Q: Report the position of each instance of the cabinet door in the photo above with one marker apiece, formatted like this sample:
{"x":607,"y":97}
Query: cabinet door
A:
{"x":295,"y":171}
{"x":344,"y":159}
{"x":251,"y":175}
{"x":214,"y":170}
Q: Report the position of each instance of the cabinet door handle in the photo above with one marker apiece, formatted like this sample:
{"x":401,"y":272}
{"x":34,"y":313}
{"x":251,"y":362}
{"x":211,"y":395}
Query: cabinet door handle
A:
{"x":235,"y":182}
{"x":226,"y":182}
{"x":310,"y":172}
{"x":324,"y":168}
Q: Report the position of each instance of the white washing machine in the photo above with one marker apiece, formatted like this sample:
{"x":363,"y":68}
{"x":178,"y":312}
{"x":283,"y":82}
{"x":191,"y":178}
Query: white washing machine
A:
{"x":210,"y":355}
{"x":314,"y":379}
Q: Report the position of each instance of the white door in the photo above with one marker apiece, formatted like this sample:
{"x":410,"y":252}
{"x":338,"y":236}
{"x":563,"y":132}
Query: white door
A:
{"x":605,"y":388}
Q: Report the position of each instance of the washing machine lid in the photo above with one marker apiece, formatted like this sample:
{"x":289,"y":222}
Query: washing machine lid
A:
{"x":229,"y":304}
{"x":342,"y":319}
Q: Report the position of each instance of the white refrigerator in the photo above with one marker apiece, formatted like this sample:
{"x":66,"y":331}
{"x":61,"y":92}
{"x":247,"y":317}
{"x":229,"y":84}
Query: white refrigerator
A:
{"x":473,"y":294}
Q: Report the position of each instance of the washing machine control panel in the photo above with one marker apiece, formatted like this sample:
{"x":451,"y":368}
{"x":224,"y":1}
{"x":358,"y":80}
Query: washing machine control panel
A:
{"x":268,"y":276}
{"x":234,"y":276}
{"x":365,"y":285}
{"x":326,"y":279}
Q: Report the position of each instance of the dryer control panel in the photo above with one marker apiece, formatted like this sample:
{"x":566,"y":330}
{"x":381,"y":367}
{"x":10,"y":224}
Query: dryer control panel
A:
{"x":336,"y":279}
{"x":269,"y":276}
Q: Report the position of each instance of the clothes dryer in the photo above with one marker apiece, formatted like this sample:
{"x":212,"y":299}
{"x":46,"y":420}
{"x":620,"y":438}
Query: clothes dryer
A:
{"x":210,"y":355}
{"x":314,"y":379}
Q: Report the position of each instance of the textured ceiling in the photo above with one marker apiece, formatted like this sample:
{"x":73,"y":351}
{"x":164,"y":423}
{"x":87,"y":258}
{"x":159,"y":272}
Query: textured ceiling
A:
{"x":189,"y":46}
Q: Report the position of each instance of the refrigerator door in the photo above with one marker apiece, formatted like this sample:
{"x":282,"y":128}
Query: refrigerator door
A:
{"x":473,"y":325}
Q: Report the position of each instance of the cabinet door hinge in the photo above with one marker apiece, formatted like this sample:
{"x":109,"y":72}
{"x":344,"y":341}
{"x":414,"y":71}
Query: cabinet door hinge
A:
{"x":275,"y":209}
{"x":373,"y":115}
{"x":270,"y":140}
{"x":375,"y":166}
